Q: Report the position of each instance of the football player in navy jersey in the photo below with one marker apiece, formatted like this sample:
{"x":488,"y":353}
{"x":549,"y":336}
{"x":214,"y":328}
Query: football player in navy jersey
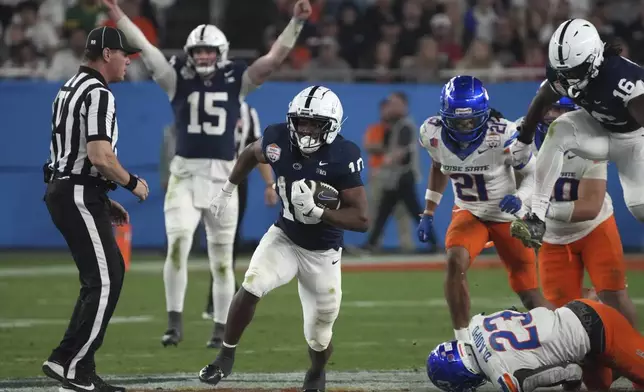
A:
{"x":306,"y":240}
{"x":610,"y":90}
{"x":205,"y":89}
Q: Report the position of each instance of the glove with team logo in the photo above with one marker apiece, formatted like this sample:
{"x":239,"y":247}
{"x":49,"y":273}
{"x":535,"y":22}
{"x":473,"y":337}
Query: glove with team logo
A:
{"x":218,"y":203}
{"x":510,"y":204}
{"x":302,"y":199}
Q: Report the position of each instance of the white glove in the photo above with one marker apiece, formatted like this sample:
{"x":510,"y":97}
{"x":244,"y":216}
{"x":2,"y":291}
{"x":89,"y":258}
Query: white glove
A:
{"x":302,"y":199}
{"x":218,"y":203}
{"x":521,"y":153}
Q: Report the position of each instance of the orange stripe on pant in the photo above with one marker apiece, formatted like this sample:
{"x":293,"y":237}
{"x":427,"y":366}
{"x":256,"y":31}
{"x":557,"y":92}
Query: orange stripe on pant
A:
{"x":624,"y":350}
{"x":561,"y":267}
{"x":467,"y":231}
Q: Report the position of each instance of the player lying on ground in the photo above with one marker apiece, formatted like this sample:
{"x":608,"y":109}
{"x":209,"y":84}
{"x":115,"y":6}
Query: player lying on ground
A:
{"x":306,"y":240}
{"x":468,"y":143}
{"x":581,"y":232}
{"x":610,"y":89}
{"x":205,"y":89}
{"x":542,"y":348}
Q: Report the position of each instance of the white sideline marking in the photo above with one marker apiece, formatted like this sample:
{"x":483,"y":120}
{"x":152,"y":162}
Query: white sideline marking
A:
{"x":28,"y":323}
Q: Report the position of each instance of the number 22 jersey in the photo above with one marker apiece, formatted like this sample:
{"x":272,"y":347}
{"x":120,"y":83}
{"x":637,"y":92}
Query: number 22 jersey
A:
{"x":481,"y":173}
{"x":507,"y":341}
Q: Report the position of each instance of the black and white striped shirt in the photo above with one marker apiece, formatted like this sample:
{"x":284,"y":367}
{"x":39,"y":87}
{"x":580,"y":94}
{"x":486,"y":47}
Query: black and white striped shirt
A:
{"x":249,"y":129}
{"x":83,"y":111}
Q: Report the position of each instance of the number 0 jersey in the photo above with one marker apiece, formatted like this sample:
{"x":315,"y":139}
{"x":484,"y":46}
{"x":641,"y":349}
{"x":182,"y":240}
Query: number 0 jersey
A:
{"x":566,"y":189}
{"x":481,"y":174}
{"x":507,"y":341}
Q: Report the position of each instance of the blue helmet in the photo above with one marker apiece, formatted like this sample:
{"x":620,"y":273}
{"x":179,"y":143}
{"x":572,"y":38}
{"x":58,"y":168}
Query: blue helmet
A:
{"x":464,"y":108}
{"x":566,"y":104}
{"x":452,"y":367}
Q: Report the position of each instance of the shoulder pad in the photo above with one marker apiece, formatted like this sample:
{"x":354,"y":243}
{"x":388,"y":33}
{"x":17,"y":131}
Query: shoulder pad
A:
{"x":430,"y":132}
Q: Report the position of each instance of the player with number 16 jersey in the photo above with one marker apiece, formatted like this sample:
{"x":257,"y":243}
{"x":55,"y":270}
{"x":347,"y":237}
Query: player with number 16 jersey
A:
{"x":468,"y":144}
{"x":306,"y":241}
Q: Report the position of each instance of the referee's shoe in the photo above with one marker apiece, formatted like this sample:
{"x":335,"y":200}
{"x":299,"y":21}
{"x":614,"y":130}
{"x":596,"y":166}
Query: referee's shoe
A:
{"x":85,"y":379}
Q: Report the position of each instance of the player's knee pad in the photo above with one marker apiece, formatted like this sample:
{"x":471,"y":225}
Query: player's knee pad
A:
{"x":221,"y":260}
{"x":637,"y":211}
{"x":259,"y":281}
{"x":318,"y":331}
{"x":179,"y":244}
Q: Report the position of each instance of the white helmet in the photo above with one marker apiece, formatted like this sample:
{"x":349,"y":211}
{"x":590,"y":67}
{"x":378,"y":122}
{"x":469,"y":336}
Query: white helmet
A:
{"x":206,"y":36}
{"x":322,"y":111}
{"x":575,"y":53}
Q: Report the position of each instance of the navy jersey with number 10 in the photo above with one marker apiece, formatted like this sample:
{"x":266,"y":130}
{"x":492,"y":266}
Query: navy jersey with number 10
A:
{"x":338,"y":164}
{"x":206,"y":111}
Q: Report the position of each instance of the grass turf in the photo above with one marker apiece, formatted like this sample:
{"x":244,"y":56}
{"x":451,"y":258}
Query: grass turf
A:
{"x":389,"y":320}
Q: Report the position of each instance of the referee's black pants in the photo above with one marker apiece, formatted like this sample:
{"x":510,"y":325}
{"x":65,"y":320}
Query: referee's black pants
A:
{"x":81,"y":214}
{"x":242,"y":196}
{"x":405,"y":191}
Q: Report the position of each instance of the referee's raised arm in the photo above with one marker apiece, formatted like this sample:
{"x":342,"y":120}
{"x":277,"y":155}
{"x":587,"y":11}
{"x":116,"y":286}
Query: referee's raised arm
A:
{"x":81,"y":170}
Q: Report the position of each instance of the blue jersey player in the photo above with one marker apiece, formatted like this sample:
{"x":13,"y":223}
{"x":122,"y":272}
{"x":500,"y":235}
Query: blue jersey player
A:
{"x":306,"y":240}
{"x":610,"y":91}
{"x":205,"y":89}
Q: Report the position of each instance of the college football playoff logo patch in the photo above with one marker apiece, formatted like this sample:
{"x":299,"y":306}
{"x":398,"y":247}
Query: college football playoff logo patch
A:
{"x":273,"y":152}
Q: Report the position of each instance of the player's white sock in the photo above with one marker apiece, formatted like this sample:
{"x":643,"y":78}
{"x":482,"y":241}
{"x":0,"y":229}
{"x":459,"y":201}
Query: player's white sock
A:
{"x":548,"y":169}
{"x":462,"y":334}
{"x":175,"y":271}
{"x":223,"y":285}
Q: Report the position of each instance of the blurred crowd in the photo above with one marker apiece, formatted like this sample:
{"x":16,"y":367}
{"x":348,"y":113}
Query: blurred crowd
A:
{"x":345,"y":40}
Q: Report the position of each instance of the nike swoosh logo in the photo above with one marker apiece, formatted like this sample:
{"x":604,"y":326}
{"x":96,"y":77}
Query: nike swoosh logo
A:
{"x":89,"y":387}
{"x":300,"y":204}
{"x":482,"y":151}
{"x":321,"y":196}
{"x":323,"y":163}
{"x":335,"y":262}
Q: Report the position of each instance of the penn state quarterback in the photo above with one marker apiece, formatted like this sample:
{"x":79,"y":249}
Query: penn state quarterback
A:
{"x":610,"y":89}
{"x":306,"y":240}
{"x":468,"y":143}
{"x":582,"y":341}
{"x":205,"y":89}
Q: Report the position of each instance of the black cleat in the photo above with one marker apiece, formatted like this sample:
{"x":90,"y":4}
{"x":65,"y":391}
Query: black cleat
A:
{"x":174,"y":334}
{"x":220,"y":368}
{"x":88,"y":382}
{"x":529,"y":230}
{"x":53,"y":369}
{"x":217,"y":336}
{"x":171,"y":337}
{"x":314,"y":381}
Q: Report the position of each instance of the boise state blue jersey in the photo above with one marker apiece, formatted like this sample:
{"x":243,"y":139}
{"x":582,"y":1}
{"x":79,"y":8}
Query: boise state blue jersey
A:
{"x":206,"y":111}
{"x":338,"y":164}
{"x":607,"y":95}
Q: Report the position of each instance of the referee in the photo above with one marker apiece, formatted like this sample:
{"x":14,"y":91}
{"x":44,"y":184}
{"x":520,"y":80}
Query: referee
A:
{"x":248,"y":130}
{"x":82,"y":168}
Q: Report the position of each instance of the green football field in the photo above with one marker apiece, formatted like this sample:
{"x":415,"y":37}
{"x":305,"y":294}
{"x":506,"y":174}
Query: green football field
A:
{"x":389,"y":320}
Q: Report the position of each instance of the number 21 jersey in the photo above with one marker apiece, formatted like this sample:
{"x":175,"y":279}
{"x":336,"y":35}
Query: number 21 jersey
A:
{"x":481,"y":173}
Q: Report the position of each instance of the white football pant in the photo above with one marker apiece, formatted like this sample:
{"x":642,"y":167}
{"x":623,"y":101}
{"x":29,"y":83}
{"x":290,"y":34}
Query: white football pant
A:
{"x":277,"y":260}
{"x":584,"y":136}
{"x":186,"y":203}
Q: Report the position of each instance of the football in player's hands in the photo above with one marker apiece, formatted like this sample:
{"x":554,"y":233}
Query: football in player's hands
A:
{"x":324,"y":195}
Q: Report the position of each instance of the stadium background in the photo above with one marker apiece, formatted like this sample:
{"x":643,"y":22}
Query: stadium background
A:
{"x":389,"y":320}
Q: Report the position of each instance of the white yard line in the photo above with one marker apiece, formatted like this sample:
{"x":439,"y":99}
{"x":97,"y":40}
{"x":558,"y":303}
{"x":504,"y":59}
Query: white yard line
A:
{"x":7,"y":323}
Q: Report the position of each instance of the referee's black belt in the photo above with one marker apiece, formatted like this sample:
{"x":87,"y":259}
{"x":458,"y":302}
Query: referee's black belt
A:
{"x":89,"y":181}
